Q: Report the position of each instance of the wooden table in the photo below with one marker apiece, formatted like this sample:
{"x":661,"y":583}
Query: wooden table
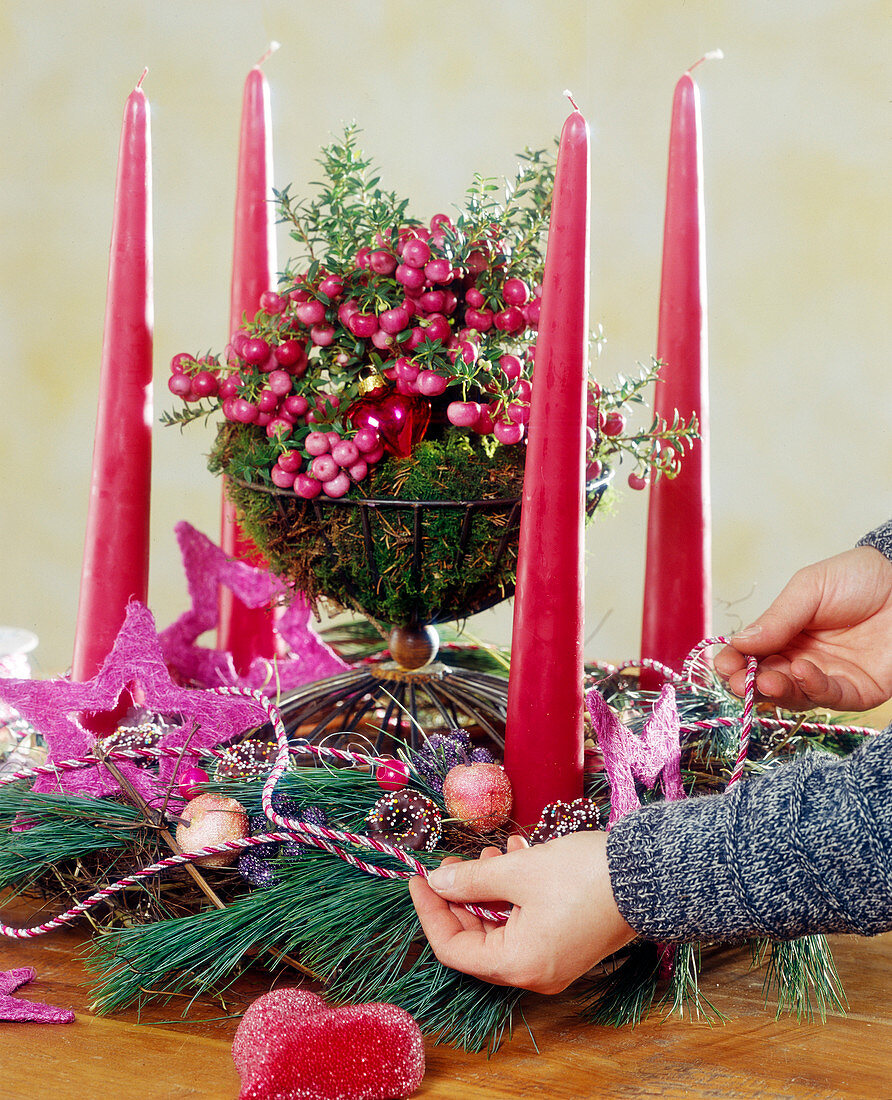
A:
{"x":164,"y":1057}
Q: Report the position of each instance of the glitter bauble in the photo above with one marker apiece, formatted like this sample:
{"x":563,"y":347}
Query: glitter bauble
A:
{"x":211,"y":819}
{"x":392,"y":776}
{"x":480,"y":795}
{"x":407,"y":819}
{"x":291,"y":1044}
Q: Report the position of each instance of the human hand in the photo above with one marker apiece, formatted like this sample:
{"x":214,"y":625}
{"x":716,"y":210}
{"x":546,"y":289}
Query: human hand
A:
{"x":825,"y":641}
{"x":563,"y":922}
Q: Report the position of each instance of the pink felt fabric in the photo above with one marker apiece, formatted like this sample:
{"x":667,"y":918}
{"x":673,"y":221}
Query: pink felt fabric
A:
{"x":627,"y":757}
{"x":305,"y":658}
{"x":13,"y":1008}
{"x":136,"y":664}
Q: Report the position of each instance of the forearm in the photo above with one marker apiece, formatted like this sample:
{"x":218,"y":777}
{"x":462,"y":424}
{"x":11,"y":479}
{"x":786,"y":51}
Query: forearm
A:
{"x":805,"y":849}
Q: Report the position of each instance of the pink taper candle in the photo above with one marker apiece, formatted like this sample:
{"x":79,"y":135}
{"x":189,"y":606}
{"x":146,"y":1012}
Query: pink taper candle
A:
{"x":677,"y":582}
{"x":544,"y":734}
{"x":116,"y":549}
{"x":248,"y":633}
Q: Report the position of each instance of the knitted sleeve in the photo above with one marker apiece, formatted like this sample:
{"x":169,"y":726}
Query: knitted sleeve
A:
{"x":880,"y":539}
{"x":805,"y":849}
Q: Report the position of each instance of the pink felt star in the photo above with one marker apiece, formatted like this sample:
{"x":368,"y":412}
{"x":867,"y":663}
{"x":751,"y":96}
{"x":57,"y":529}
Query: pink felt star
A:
{"x":136,"y":664}
{"x":628,"y":757}
{"x":11,"y":1008}
{"x":208,"y":568}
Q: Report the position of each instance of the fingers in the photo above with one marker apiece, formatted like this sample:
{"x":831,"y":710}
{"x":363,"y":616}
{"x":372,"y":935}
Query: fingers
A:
{"x":790,"y":613}
{"x":491,"y":879}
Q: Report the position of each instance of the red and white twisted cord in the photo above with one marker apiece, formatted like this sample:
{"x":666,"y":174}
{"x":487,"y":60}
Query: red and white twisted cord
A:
{"x":330,"y":839}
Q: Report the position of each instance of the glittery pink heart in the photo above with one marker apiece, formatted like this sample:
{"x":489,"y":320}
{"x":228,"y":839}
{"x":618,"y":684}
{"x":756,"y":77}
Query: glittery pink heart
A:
{"x":291,"y":1045}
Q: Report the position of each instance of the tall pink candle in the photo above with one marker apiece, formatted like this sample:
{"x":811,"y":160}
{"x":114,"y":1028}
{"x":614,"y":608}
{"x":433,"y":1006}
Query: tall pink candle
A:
{"x":544,"y":734}
{"x":677,"y":582}
{"x":116,"y":549}
{"x":248,"y":633}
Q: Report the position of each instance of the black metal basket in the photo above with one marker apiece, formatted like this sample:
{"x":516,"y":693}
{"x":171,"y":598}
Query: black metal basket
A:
{"x":394,"y":547}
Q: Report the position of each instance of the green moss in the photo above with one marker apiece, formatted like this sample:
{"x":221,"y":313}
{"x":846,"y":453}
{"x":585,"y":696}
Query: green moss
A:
{"x":399,"y":562}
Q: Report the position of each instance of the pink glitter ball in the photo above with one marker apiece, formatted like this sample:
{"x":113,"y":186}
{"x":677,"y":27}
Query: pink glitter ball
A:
{"x":478,"y":794}
{"x":211,"y":819}
{"x":291,"y":1045}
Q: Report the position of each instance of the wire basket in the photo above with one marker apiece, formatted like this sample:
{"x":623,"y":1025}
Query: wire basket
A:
{"x":398,"y":562}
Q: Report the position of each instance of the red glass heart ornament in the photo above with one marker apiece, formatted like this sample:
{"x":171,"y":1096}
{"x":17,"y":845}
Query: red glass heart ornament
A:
{"x":291,"y":1045}
{"x":399,"y":419}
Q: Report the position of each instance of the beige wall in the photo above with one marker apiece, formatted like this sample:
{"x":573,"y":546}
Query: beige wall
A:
{"x":797,"y":159}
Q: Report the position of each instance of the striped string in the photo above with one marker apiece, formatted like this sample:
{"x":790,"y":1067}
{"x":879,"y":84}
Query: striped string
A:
{"x":331,"y":840}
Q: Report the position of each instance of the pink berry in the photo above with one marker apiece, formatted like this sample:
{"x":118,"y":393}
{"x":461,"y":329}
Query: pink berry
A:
{"x":290,"y":353}
{"x":510,"y":319}
{"x":205,"y":384}
{"x":282,"y":478}
{"x":432,"y":301}
{"x":406,"y":370}
{"x":515,"y":292}
{"x":290,"y":461}
{"x":347,"y":309}
{"x":310,"y":313}
{"x":246,"y":412}
{"x":614,"y":422}
{"x":394,"y":320}
{"x":255,"y":351}
{"x":511,"y":366}
{"x":270,"y":302}
{"x":374,"y":456}
{"x":506,"y":431}
{"x":430,"y":384}
{"x":322,"y":335}
{"x":363,"y":324}
{"x":180,"y":385}
{"x":181,"y":362}
{"x":189,"y":780}
{"x":594,"y":469}
{"x":518,"y":412}
{"x":382,"y":262}
{"x":523,"y":388}
{"x":280,"y":382}
{"x":337,"y":486}
{"x":475,"y":298}
{"x":438,"y":271}
{"x":392,"y":776}
{"x":279,"y":428}
{"x":307,"y":487}
{"x":636,"y":481}
{"x":362,"y":257}
{"x":324,"y":468}
{"x":366,"y":439}
{"x":317,"y":443}
{"x":267,"y":401}
{"x":412,"y":278}
{"x":480,"y":319}
{"x":463,"y":414}
{"x":345,"y":453}
{"x":484,"y":424}
{"x":332,"y":286}
{"x":358,"y":470}
{"x":296,"y":404}
{"x":416,"y":253}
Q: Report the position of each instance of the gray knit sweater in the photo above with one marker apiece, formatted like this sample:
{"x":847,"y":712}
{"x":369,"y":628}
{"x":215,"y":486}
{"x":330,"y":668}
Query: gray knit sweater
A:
{"x":805,"y":849}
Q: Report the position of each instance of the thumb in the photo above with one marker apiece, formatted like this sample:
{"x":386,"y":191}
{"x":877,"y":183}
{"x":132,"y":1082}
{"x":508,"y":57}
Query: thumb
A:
{"x":792,"y":611}
{"x":493,"y":879}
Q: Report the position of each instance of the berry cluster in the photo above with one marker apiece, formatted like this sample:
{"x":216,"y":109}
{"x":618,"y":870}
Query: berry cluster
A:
{"x":389,"y":328}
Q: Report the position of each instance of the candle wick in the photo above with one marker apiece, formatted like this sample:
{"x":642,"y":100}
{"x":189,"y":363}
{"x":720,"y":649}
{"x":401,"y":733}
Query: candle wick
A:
{"x":271,"y":49}
{"x":710,"y":55}
{"x":569,"y":96}
{"x":142,"y":78}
